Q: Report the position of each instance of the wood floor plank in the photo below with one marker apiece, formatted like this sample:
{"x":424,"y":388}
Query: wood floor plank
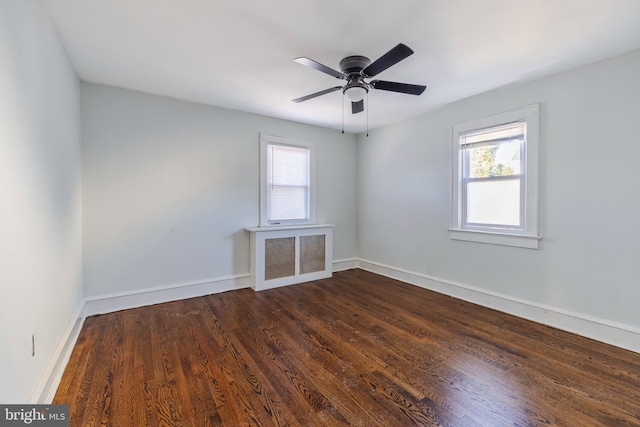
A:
{"x":405,"y":355}
{"x":259,"y":404}
{"x":475,"y":344}
{"x":363,"y":326}
{"x":357,"y":349}
{"x":277,"y":361}
{"x":76,"y":385}
{"x":296,"y":358}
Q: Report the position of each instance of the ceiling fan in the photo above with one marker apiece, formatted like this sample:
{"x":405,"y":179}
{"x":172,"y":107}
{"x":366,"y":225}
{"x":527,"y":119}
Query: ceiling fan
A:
{"x":355,"y":69}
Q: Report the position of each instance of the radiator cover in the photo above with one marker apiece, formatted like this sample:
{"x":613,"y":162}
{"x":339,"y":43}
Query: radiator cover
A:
{"x":282,"y":256}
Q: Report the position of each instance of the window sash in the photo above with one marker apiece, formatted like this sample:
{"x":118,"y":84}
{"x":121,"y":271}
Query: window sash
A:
{"x":283,"y":211}
{"x":520,"y":227}
{"x":494,"y":135}
{"x":285,"y":205}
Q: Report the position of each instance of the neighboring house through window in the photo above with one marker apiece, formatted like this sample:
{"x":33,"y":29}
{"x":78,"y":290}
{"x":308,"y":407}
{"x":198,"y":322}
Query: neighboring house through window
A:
{"x":495,"y":179}
{"x":287,"y":175}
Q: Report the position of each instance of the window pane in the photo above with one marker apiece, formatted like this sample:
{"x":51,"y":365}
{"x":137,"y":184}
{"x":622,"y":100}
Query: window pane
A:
{"x":494,"y":202}
{"x":289,"y":165}
{"x":494,"y":160}
{"x":286,"y":203}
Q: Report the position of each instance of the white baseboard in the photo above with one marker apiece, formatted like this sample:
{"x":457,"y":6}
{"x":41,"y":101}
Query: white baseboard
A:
{"x":109,"y":303}
{"x":607,"y":331}
{"x":345,"y":264}
{"x":131,"y":299}
{"x":47,"y":385}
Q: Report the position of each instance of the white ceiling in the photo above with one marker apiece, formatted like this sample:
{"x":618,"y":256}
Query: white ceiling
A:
{"x":239,"y":54}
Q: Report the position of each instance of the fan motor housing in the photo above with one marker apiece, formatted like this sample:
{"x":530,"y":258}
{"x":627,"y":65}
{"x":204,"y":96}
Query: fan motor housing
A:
{"x":354,"y":64}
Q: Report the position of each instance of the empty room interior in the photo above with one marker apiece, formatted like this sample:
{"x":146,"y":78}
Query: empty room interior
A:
{"x":321,"y":213}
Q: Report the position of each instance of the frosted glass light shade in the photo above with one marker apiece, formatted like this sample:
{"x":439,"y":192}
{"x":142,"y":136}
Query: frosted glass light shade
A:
{"x":356,"y":93}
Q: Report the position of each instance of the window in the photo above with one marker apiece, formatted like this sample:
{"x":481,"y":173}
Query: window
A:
{"x":286,"y":181}
{"x":494,"y":182}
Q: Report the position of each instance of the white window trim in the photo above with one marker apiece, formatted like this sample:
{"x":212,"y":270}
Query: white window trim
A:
{"x":530,"y":238}
{"x":266,"y":139}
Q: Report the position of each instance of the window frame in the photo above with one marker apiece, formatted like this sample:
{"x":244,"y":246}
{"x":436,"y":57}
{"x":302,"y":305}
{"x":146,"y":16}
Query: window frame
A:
{"x":265,"y":141}
{"x":526,"y":235}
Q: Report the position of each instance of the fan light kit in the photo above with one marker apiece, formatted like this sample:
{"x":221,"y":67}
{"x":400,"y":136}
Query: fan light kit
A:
{"x":355,"y":69}
{"x":355,"y":93}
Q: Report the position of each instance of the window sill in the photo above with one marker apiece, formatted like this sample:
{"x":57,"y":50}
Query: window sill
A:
{"x":519,"y":241}
{"x":285,"y":227}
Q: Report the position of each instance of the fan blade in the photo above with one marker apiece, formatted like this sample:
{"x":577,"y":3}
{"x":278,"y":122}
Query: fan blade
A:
{"x":318,"y":66}
{"x":357,"y":107}
{"x":314,"y":95}
{"x":390,"y":58}
{"x":398,"y":87}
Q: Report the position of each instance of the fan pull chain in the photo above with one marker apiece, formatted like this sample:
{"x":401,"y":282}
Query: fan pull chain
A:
{"x":343,"y":112}
{"x":367,"y":114}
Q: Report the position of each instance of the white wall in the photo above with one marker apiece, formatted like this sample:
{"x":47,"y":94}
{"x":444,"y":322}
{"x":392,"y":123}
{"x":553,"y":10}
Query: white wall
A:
{"x":169,"y":187}
{"x":590,"y":150}
{"x":40,"y":198}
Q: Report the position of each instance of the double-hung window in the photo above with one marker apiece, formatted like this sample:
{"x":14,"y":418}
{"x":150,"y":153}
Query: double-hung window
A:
{"x":495,"y":189}
{"x":493,"y":178}
{"x":287,"y":181}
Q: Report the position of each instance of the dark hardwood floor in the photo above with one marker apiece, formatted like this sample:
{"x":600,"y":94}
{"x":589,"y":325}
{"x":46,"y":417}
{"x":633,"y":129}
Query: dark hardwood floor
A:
{"x":356,"y":349}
